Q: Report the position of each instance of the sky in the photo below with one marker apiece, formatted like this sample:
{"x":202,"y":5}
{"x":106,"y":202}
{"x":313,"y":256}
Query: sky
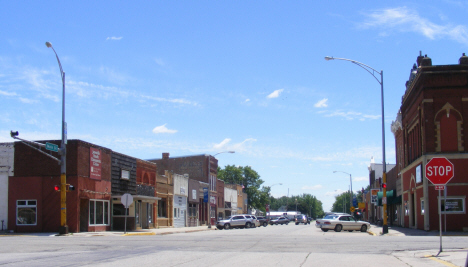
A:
{"x":203,"y":77}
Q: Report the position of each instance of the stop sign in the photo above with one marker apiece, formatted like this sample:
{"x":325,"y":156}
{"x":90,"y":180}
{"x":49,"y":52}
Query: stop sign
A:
{"x":439,"y":171}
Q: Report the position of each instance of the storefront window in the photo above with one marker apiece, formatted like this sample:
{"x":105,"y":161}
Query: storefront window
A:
{"x":26,"y":212}
{"x":453,"y":205}
{"x":422,"y":206}
{"x":162,"y":208}
{"x":98,"y":212}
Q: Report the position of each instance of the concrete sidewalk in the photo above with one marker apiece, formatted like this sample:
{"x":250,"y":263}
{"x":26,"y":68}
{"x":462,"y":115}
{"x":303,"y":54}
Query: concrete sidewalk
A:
{"x":400,"y":231}
{"x":448,"y":257}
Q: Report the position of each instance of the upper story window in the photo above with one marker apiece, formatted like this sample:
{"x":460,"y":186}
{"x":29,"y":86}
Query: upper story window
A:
{"x":448,"y":122}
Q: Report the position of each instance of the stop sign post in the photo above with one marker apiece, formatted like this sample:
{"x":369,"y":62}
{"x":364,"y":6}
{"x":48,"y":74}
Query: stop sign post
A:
{"x":439,"y":171}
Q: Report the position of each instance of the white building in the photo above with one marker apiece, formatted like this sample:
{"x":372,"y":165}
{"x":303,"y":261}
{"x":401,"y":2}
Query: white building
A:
{"x":7,"y":151}
{"x":180,"y":199}
{"x":230,"y":201}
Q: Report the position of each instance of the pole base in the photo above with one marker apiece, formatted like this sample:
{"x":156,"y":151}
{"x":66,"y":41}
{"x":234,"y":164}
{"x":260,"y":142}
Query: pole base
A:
{"x":385,"y":229}
{"x":63,"y":230}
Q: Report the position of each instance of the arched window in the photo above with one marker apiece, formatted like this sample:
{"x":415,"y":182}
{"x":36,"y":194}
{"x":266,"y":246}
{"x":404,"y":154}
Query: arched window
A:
{"x":449,"y":124}
{"x":145,"y":178}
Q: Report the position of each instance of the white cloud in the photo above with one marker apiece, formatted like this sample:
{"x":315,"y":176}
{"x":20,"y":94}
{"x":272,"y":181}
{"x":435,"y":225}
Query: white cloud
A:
{"x":322,"y":103}
{"x":113,"y":38}
{"x":238,"y":147}
{"x":160,"y":62}
{"x":275,"y":93}
{"x":313,"y":187}
{"x":247,"y":100}
{"x":404,"y":19}
{"x":349,"y":115}
{"x":7,"y":93}
{"x":222,"y":144}
{"x":173,"y":100}
{"x":163,"y":129}
{"x":27,"y":100}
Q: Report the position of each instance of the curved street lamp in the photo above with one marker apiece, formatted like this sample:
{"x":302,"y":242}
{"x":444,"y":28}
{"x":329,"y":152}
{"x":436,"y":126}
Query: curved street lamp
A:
{"x":373,"y":72}
{"x":210,"y":182}
{"x":63,"y":155}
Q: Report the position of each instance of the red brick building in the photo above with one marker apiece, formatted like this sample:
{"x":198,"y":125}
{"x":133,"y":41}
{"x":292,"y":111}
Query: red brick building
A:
{"x":34,"y":205}
{"x":431,"y":124}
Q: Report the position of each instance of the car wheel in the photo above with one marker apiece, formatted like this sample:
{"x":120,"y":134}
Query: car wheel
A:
{"x":287,"y":223}
{"x":264,"y":224}
{"x":338,"y":228}
{"x":247,"y":225}
{"x":364,"y":228}
{"x":324,"y":230}
{"x":227,"y":226}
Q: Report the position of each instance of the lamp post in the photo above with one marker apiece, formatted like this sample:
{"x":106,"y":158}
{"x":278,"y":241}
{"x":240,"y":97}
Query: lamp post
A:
{"x":351,"y":188}
{"x":211,"y":183}
{"x":63,"y":155}
{"x":373,"y":72}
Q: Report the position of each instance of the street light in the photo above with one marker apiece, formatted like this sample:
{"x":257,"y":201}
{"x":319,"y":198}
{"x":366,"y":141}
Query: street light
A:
{"x":373,"y":72}
{"x":63,"y":153}
{"x":351,"y":188}
{"x":210,"y":182}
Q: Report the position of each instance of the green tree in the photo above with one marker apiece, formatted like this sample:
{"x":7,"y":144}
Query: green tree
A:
{"x":250,"y":180}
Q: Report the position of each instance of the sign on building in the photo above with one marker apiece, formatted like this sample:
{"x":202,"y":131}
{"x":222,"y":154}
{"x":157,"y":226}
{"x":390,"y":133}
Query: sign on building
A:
{"x":95,"y":163}
{"x":374,"y":197}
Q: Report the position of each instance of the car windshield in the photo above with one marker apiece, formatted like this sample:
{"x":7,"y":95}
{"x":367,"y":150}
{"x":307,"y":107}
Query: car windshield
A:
{"x":331,"y":217}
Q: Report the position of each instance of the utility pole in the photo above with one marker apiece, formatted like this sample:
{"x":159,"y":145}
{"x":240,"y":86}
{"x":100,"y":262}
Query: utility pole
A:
{"x":63,"y":156}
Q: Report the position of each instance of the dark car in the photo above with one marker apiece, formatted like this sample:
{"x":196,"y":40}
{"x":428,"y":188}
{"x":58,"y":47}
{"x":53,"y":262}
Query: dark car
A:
{"x":280,"y":220}
{"x":263,"y":221}
{"x":302,"y":219}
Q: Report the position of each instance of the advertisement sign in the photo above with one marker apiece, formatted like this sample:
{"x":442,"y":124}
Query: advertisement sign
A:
{"x":94,"y":163}
{"x":374,"y":198}
{"x":205,"y":194}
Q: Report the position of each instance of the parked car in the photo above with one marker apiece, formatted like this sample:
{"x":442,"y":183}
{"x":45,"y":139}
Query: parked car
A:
{"x":256,"y":221}
{"x":235,"y":221}
{"x":280,"y":220}
{"x":302,"y":219}
{"x":263,"y":221}
{"x":340,"y":222}
{"x":253,"y":220}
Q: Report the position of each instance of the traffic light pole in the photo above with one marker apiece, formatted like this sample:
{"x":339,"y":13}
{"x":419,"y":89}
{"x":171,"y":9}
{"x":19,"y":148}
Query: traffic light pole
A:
{"x":63,"y":156}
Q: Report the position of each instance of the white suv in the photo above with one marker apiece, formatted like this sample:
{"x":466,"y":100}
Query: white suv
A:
{"x":235,"y":221}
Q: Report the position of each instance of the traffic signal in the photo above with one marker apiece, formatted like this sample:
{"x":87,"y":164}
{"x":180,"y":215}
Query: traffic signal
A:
{"x":70,"y":188}
{"x":57,"y":188}
{"x":14,"y":134}
{"x":384,"y":185}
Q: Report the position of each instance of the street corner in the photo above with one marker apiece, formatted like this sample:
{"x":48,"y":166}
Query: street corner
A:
{"x":139,"y":234}
{"x":371,"y":233}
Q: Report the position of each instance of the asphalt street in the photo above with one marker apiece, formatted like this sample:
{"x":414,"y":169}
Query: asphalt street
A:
{"x":282,"y":245}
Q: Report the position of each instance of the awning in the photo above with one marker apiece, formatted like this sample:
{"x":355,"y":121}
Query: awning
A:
{"x":139,"y":197}
{"x":392,"y":199}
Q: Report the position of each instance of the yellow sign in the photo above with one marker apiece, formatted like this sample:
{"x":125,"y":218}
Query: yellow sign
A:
{"x":352,"y":209}
{"x":361,"y":205}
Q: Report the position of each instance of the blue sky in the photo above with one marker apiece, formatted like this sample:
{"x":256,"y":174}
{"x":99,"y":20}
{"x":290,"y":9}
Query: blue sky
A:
{"x":194,"y":77}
